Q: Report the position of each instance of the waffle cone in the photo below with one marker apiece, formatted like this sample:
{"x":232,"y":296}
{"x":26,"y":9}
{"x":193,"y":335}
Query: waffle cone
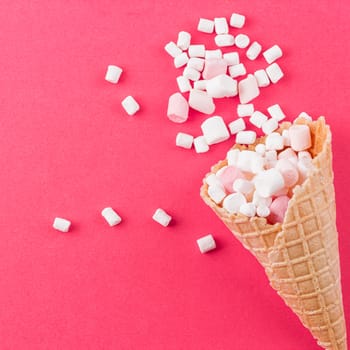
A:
{"x":300,"y":255}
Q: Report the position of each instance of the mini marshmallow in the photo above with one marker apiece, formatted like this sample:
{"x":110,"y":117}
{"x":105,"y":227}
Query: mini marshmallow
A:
{"x":261,"y":201}
{"x":191,"y":73}
{"x":274,"y":141}
{"x":183,"y":40}
{"x":196,"y":62}
{"x":232,"y":156}
{"x":183,"y":83}
{"x":276,"y":112}
{"x":201,"y":102}
{"x":272,"y":54}
{"x":274,"y":72}
{"x":260,"y":148}
{"x":268,"y":182}
{"x":212,"y":180}
{"x":215,"y":130}
{"x":130,"y":105}
{"x":172,"y":49}
{"x":304,"y":166}
{"x":200,"y":145}
{"x":271,"y":155}
{"x":243,"y":186}
{"x":196,"y":50}
{"x":246,"y":137}
{"x":254,"y":50}
{"x":205,"y":25}
{"x":111,"y":216}
{"x":221,"y":171}
{"x":228,"y":175}
{"x":62,"y":225}
{"x":233,"y":202}
{"x":248,"y":209}
{"x":200,"y":85}
{"x":304,"y":154}
{"x":216,"y":193}
{"x":245,"y":159}
{"x":214,"y":67}
{"x":242,"y":41}
{"x":231,"y":58}
{"x":305,"y":116}
{"x":237,"y":126}
{"x":286,"y":138}
{"x":237,"y":20}
{"x":237,"y":70}
{"x":270,"y":126}
{"x":206,"y":244}
{"x":113,"y":74}
{"x":177,"y":108}
{"x":263,"y":211}
{"x":210,"y":54}
{"x":262,"y":78}
{"x":278,"y":209}
{"x":245,"y":110}
{"x":258,"y":119}
{"x":184,"y":140}
{"x":220,"y":25}
{"x":248,"y":89}
{"x":300,"y":137}
{"x":287,"y":153}
{"x":180,"y":60}
{"x":289,"y":172}
{"x":221,"y":86}
{"x":223,"y":40}
{"x":161,"y":217}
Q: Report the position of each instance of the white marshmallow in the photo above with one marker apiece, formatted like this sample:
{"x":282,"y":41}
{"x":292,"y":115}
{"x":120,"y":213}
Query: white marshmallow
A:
{"x":161,"y":217}
{"x":221,"y":86}
{"x":113,"y":74}
{"x":271,"y":155}
{"x":304,"y":154}
{"x":237,"y":20}
{"x":269,"y":126}
{"x":180,"y":60}
{"x":272,"y":54}
{"x":215,"y":130}
{"x":254,"y":50}
{"x":246,"y":137}
{"x":62,"y":225}
{"x":205,"y":25}
{"x":220,"y":25}
{"x":274,"y":141}
{"x":206,"y":244}
{"x":268,"y":182}
{"x":216,"y":193}
{"x":201,"y":102}
{"x":200,"y":85}
{"x":236,"y":126}
{"x":258,"y":119}
{"x":249,"y":161}
{"x":172,"y":49}
{"x":196,"y":50}
{"x":111,"y":216}
{"x":183,"y":83}
{"x":232,"y":58}
{"x":130,"y":105}
{"x":263,"y":211}
{"x":191,"y":73}
{"x":220,"y":172}
{"x":260,"y":148}
{"x":183,"y":40}
{"x":248,"y":209}
{"x":276,"y":112}
{"x":286,"y":138}
{"x":224,"y":40}
{"x":200,"y":145}
{"x":184,"y":140}
{"x":261,"y":201}
{"x":274,"y":72}
{"x":237,"y":70}
{"x":248,"y":89}
{"x":196,"y":62}
{"x":212,"y":180}
{"x":243,"y":186}
{"x":305,"y":116}
{"x":262,"y":78}
{"x":233,"y":202}
{"x":245,"y":110}
{"x":242,"y":41}
{"x":211,"y":54}
{"x":232,"y":156}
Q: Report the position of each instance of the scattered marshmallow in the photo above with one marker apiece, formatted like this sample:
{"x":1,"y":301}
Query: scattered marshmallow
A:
{"x":210,"y":54}
{"x":220,"y":25}
{"x":243,"y":186}
{"x":111,"y":216}
{"x":196,"y":50}
{"x":231,"y":58}
{"x":200,"y":85}
{"x":183,"y":40}
{"x":191,"y":73}
{"x":216,"y":193}
{"x":201,"y":102}
{"x":258,"y":119}
{"x":215,"y":130}
{"x":242,"y":41}
{"x":237,"y":126}
{"x":274,"y":72}
{"x":223,"y":40}
{"x":248,"y":209}
{"x":233,"y":202}
{"x":245,"y":110}
{"x":262,"y":78}
{"x":214,"y":67}
{"x":161,"y":217}
{"x":113,"y":74}
{"x":130,"y":105}
{"x":205,"y":25}
{"x":196,"y":62}
{"x":237,"y":20}
{"x":300,"y":137}
{"x":172,"y":49}
{"x":270,"y":126}
{"x":276,"y":112}
{"x":183,"y":83}
{"x":62,"y":225}
{"x":274,"y":141}
{"x":177,"y":108}
{"x":272,"y":54}
{"x":221,"y":86}
{"x":248,"y":89}
{"x":246,"y":137}
{"x":206,"y":244}
{"x":180,"y":60}
{"x":237,"y":70}
{"x":200,"y":145}
{"x":268,"y":182}
{"x":184,"y":140}
{"x":254,"y":50}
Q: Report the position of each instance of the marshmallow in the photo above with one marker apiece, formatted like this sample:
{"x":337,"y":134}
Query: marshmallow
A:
{"x":261,"y":201}
{"x":111,"y":216}
{"x":242,"y":41}
{"x":289,"y":172}
{"x":233,"y":202}
{"x":214,"y":67}
{"x":172,"y":49}
{"x":304,"y":154}
{"x":130,"y":105}
{"x":180,"y":60}
{"x":260,"y":148}
{"x":274,"y":141}
{"x":278,"y":209}
{"x":254,"y":50}
{"x":196,"y":62}
{"x":161,"y":217}
{"x":263,"y":211}
{"x":237,"y":126}
{"x":286,"y":138}
{"x":184,"y":140}
{"x":228,"y":175}
{"x":248,"y":209}
{"x":201,"y":102}
{"x":200,"y":85}
{"x":62,"y":225}
{"x":206,"y":244}
{"x":246,"y":137}
{"x":215,"y":130}
{"x":272,"y":54}
{"x":245,"y":110}
{"x":276,"y":112}
{"x":210,"y":54}
{"x":216,"y":193}
{"x":183,"y":83}
{"x":268,"y":182}
{"x":304,"y":166}
{"x":274,"y":72}
{"x":205,"y":25}
{"x":212,"y":179}
{"x":221,"y":171}
{"x":223,"y":40}
{"x":232,"y":156}
{"x":249,"y":161}
{"x":221,"y":86}
{"x":196,"y":50}
{"x":269,"y":126}
{"x":237,"y":20}
{"x":231,"y":58}
{"x":200,"y":145}
{"x":300,"y":137}
{"x":262,"y":78}
{"x":248,"y":89}
{"x":220,"y":25}
{"x":287,"y":153}
{"x":243,"y":186}
{"x":258,"y":119}
{"x":113,"y":74}
{"x":237,"y":70}
{"x":271,"y":155}
{"x":191,"y":73}
{"x":177,"y":108}
{"x":183,"y":40}
{"x":305,"y":116}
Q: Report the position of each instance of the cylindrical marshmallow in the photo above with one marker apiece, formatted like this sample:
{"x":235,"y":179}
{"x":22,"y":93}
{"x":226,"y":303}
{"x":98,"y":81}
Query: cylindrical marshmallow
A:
{"x":61,"y":224}
{"x":200,"y":145}
{"x":184,"y":140}
{"x":258,"y":119}
{"x":300,"y":137}
{"x":272,"y":54}
{"x":223,"y":40}
{"x":221,"y":86}
{"x":263,"y":211}
{"x":228,"y":176}
{"x":246,"y":137}
{"x":205,"y":25}
{"x":111,"y":216}
{"x":237,"y":20}
{"x":215,"y":130}
{"x":269,"y":126}
{"x":183,"y":83}
{"x":177,"y":108}
{"x":248,"y":89}
{"x":216,"y":193}
{"x":113,"y":74}
{"x":254,"y":50}
{"x":220,"y":25}
{"x":274,"y":141}
{"x":233,"y":202}
{"x":161,"y":217}
{"x":231,"y":58}
{"x":206,"y":244}
{"x":210,"y":54}
{"x":286,"y":138}
{"x":172,"y":49}
{"x":278,"y":209}
{"x":214,"y":67}
{"x":196,"y":62}
{"x":276,"y":112}
{"x":212,"y":179}
{"x":183,"y":40}
{"x":248,"y":209}
{"x":260,"y":148}
{"x":191,"y":73}
{"x":200,"y":85}
{"x":237,"y":126}
{"x":305,"y":116}
{"x":180,"y":60}
{"x":130,"y":105}
{"x":201,"y":102}
{"x":237,"y":70}
{"x":287,"y":153}
{"x":246,"y":159}
{"x":243,"y":186}
{"x":245,"y":110}
{"x":268,"y":182}
{"x":197,"y":50}
{"x":232,"y":156}
{"x":242,"y":41}
{"x":289,"y":172}
{"x":262,"y":78}
{"x":274,"y":72}
{"x":261,"y":201}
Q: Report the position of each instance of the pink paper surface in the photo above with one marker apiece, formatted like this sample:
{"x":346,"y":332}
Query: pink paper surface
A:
{"x":67,"y":148}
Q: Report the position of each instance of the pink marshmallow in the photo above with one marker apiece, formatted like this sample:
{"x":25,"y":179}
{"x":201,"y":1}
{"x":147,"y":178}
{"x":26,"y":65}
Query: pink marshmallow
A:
{"x":287,"y":154}
{"x":177,"y":108}
{"x":214,"y":67}
{"x":278,"y":209}
{"x":300,"y":137}
{"x":229,"y":176}
{"x":289,"y":172}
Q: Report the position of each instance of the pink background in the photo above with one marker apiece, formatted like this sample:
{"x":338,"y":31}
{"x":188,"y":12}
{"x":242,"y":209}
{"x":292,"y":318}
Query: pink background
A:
{"x":68,"y":149}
